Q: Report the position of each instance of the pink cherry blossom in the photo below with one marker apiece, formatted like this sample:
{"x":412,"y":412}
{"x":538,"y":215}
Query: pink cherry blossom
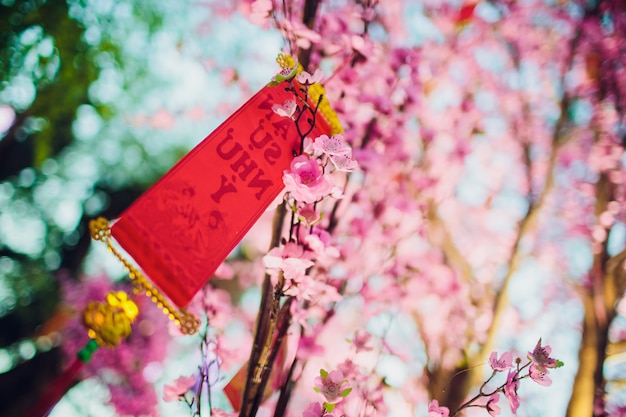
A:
{"x":337,"y":150}
{"x":492,"y":405}
{"x":434,"y":410}
{"x":308,"y":79}
{"x":540,"y":376}
{"x":307,"y":347}
{"x":315,"y":410}
{"x":350,"y":370}
{"x":510,"y":391}
{"x":368,"y":14}
{"x":288,"y":259}
{"x":421,"y":120}
{"x":217,"y":306}
{"x":178,"y":388}
{"x":224,"y":271}
{"x":540,"y":357}
{"x":258,"y":12}
{"x":332,"y":386}
{"x":306,"y":181}
{"x":505,"y":362}
{"x":287,"y":109}
{"x":303,"y":288}
{"x":308,"y":146}
{"x":295,"y":268}
{"x":333,"y":145}
{"x":309,"y":215}
{"x":344,"y":163}
{"x":360,"y":341}
{"x":303,"y":36}
{"x":275,"y":257}
{"x":359,"y":44}
{"x":320,"y":246}
{"x":374,"y":396}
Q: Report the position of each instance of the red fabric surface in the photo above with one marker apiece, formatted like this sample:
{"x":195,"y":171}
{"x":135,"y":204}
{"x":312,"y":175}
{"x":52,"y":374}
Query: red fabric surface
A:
{"x":187,"y":223}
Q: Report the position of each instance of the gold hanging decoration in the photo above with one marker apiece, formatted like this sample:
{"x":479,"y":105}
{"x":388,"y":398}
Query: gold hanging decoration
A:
{"x":187,"y":322}
{"x":108,"y":322}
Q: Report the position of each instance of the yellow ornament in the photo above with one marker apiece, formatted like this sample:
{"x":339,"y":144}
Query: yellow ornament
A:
{"x":109,"y":322}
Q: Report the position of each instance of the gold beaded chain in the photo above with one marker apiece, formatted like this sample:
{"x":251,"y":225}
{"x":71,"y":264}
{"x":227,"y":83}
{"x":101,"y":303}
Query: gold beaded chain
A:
{"x":188,"y":323}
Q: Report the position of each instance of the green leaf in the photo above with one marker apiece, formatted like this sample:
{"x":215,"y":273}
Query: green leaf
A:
{"x":559,"y":364}
{"x":345,"y":392}
{"x":323,"y":373}
{"x":316,"y":389}
{"x":329,"y":407}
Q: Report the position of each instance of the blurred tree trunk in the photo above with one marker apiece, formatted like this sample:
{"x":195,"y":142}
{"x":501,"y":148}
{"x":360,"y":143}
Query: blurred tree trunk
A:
{"x":599,"y":297}
{"x":590,"y":355}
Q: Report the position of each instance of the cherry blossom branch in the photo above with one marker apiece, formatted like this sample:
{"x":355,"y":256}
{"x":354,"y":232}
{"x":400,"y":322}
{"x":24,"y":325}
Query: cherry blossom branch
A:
{"x":258,"y":367}
{"x":290,"y":382}
{"x":539,"y":365}
{"x":311,"y":121}
{"x":285,"y":390}
{"x":282,"y":324}
{"x":266,"y":322}
{"x":307,"y":182}
{"x":262,"y":355}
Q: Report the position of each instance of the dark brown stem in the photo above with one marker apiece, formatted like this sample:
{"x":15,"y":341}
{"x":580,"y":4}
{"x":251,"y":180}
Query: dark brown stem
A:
{"x":263,"y":329}
{"x":311,"y":121}
{"x":262,"y":355}
{"x":285,"y":390}
{"x":308,"y":18}
{"x":282,"y":324}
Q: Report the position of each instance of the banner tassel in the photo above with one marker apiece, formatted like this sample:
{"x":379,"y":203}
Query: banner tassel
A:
{"x":188,"y":323}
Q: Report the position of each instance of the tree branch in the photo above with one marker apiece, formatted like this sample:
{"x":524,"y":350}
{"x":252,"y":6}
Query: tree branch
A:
{"x":263,"y":351}
{"x":266,"y":321}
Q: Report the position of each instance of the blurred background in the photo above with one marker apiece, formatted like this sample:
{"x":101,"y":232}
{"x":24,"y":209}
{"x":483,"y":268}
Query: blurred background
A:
{"x":99,"y":98}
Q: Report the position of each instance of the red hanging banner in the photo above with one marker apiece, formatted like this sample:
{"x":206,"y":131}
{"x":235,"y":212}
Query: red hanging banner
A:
{"x":187,"y":223}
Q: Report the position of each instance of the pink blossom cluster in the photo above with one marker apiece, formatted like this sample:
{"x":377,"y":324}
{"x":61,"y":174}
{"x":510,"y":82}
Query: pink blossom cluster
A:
{"x":333,"y":387}
{"x":406,"y":240}
{"x":538,"y":368}
{"x":308,"y":180}
{"x":486,"y":149}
